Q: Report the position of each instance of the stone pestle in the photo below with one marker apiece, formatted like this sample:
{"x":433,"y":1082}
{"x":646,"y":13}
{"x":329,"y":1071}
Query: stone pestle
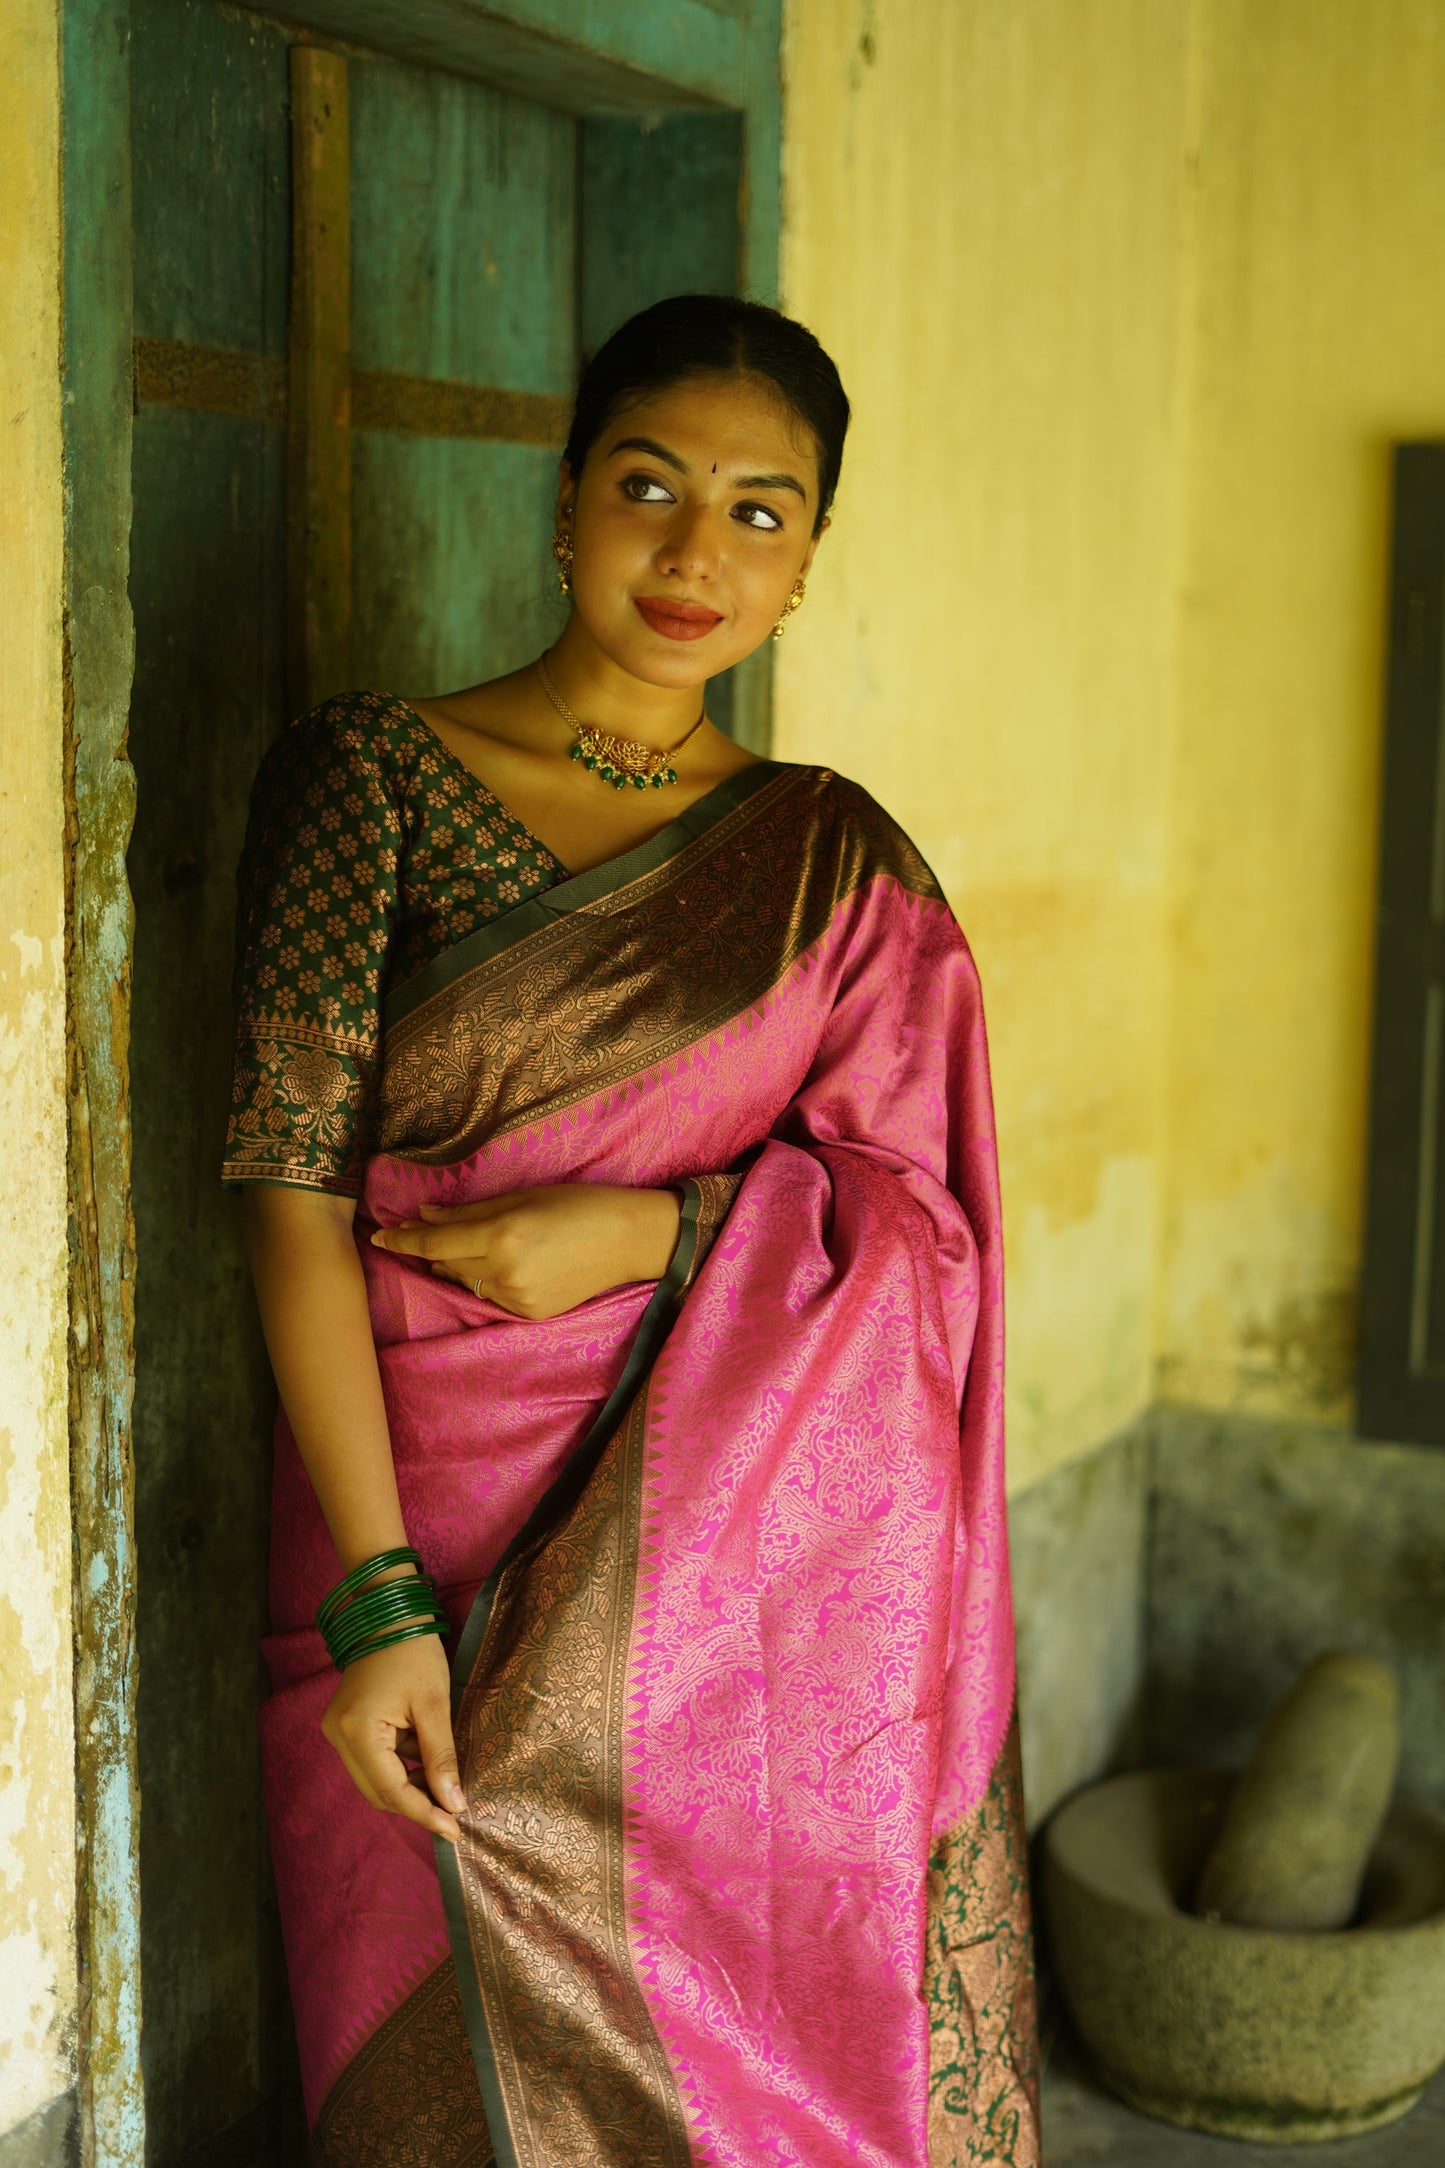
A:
{"x":1300,"y":1826}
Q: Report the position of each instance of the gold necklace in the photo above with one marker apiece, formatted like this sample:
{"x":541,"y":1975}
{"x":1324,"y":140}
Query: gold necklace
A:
{"x":618,"y":761}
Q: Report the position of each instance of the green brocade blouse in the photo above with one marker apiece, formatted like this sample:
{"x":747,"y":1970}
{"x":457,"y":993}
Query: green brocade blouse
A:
{"x":370,"y":850}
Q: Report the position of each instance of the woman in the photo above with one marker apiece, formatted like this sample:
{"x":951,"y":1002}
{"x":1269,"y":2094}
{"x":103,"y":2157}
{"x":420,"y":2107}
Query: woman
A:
{"x":615,"y":1113}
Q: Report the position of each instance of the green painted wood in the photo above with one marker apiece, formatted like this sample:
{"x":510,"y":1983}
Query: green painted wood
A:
{"x":212,"y":177}
{"x":577,"y":56}
{"x":661,"y":208}
{"x":1402,"y":1338}
{"x":96,"y":333}
{"x":453,"y":572}
{"x":211,"y":189}
{"x":463,"y":222}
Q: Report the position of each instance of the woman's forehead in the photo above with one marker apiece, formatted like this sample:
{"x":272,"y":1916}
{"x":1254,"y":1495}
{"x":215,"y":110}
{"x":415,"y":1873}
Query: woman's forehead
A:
{"x":732,"y":421}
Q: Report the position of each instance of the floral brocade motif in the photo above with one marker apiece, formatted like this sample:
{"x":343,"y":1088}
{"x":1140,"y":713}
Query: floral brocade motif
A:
{"x":371,"y":849}
{"x":979,"y":1983}
{"x":409,"y":2097}
{"x":581,"y":2073}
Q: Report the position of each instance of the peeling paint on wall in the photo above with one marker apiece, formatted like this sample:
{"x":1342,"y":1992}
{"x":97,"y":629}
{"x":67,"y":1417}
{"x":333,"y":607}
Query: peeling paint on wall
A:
{"x":99,"y":810}
{"x":37,"y":1755}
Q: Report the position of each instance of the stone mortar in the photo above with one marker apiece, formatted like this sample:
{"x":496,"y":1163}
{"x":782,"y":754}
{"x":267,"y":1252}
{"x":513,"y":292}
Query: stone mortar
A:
{"x":1245,"y":2032}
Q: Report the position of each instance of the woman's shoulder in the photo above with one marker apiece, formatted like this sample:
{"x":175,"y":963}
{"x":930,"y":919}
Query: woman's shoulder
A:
{"x":360,"y":739}
{"x":863,"y":835}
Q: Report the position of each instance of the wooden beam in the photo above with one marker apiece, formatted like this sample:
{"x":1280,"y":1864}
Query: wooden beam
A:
{"x":420,"y":406}
{"x":318,"y":468}
{"x":252,"y":387}
{"x":210,"y":379}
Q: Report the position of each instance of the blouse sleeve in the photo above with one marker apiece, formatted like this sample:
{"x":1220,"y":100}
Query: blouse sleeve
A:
{"x":317,"y":896}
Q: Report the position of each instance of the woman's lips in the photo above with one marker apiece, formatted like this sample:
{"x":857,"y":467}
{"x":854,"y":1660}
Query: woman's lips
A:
{"x":676,"y":620}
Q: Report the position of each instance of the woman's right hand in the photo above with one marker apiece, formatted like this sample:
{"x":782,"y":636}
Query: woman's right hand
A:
{"x":393,"y":1704}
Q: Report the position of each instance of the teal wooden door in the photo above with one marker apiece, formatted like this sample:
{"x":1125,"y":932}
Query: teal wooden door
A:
{"x":490,"y":237}
{"x":463,"y":254}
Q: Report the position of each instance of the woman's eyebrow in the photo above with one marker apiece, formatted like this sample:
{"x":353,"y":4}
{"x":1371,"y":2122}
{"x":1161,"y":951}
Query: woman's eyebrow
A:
{"x":658,"y":451}
{"x":680,"y":466}
{"x":771,"y":481}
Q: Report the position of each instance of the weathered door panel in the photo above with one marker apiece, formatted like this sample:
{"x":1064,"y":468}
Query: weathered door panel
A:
{"x":463,"y":270}
{"x":211,"y":193}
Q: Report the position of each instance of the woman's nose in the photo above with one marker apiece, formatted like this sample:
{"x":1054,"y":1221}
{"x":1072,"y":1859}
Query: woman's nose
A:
{"x":691,"y":546}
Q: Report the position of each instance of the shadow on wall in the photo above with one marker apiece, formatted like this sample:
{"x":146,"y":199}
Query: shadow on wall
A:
{"x":1170,"y":1587}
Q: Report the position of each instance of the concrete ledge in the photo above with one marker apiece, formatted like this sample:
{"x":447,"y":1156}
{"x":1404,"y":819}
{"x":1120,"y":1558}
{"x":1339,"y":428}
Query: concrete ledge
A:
{"x":1078,"y":1540}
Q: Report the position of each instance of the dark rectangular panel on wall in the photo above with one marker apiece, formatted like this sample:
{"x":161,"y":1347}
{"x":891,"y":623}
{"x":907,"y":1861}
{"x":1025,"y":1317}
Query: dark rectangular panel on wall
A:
{"x":1402,"y":1350}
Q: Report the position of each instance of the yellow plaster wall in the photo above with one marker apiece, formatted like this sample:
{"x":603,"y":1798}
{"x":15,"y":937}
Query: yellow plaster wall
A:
{"x":982,"y":203}
{"x":1317,"y":336}
{"x":37,"y":1757}
{"x":1132,"y":297}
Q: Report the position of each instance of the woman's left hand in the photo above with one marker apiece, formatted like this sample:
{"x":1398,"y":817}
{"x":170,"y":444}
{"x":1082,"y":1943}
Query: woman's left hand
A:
{"x":538,"y":1252}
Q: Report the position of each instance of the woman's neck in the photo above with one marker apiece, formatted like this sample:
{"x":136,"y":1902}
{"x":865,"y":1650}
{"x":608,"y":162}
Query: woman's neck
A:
{"x":611,"y":699}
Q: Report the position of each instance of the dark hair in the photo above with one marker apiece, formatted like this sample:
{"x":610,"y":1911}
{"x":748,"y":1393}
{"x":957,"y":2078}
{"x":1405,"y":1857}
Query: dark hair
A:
{"x":714,"y":335}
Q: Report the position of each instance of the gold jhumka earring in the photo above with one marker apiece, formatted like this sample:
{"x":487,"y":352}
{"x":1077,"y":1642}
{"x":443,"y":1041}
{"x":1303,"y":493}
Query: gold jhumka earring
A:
{"x":562,"y":551}
{"x":793,"y":602}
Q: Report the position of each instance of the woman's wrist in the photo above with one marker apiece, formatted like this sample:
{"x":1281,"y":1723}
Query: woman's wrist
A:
{"x":656,"y":1215}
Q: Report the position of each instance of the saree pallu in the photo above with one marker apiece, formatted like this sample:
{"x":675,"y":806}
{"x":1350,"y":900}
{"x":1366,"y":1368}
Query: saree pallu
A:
{"x":741,"y":1878}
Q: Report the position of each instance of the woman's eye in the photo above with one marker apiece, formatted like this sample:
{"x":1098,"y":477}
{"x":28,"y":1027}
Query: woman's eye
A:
{"x":758,"y":515}
{"x":643,"y":489}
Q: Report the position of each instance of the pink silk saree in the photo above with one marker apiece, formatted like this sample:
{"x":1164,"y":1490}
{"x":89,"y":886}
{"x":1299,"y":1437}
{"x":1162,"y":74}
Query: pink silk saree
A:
{"x":742,"y":1877}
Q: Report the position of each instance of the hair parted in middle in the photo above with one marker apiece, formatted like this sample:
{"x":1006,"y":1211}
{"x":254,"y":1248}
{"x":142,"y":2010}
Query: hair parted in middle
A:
{"x":694,"y":335}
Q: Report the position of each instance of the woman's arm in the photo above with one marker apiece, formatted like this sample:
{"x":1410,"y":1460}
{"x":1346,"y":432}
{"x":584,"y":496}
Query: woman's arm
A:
{"x":536,"y":1253}
{"x":312,"y":1296}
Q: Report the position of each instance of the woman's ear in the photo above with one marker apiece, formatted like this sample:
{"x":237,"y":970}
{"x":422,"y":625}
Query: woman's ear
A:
{"x":812,"y":550}
{"x":566,"y":494}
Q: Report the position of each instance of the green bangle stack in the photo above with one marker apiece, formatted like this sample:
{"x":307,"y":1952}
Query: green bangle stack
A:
{"x":357,"y":1618}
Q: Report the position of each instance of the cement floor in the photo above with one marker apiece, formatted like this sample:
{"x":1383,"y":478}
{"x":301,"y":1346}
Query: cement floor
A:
{"x":1085,"y":2127}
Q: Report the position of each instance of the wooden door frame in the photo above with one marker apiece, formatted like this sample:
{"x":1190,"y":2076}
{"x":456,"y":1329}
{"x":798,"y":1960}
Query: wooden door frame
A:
{"x":587,"y":57}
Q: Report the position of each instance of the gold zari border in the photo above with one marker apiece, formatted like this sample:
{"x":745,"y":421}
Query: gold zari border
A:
{"x":581,"y":2073}
{"x":616,"y":986}
{"x":983,"y":2088}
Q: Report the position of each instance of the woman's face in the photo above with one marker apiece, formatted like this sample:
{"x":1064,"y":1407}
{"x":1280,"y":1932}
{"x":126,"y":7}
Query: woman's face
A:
{"x":692,"y":518}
